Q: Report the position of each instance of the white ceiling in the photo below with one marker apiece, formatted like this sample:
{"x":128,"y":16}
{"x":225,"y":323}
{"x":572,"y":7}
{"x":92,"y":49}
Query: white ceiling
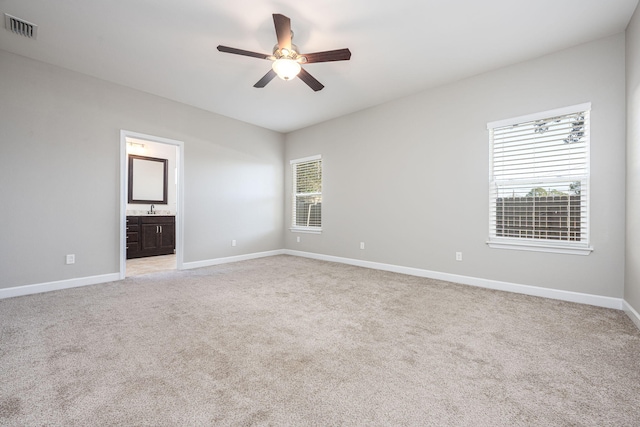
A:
{"x":168,"y":47}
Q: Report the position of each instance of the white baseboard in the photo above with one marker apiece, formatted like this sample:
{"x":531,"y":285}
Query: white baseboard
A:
{"x":94,"y":280}
{"x":633,"y":315}
{"x":597,"y":300}
{"x":58,"y":285}
{"x":225,"y":260}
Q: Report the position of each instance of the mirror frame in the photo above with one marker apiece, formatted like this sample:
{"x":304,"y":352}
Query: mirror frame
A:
{"x":165,"y":163}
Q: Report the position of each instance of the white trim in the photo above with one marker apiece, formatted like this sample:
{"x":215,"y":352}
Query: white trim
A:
{"x":306,"y":159}
{"x":577,"y":297}
{"x":225,"y":260}
{"x":37,"y":288}
{"x":308,"y":230}
{"x":112,"y":277}
{"x":542,"y":247}
{"x":633,"y":315}
{"x":597,"y":300}
{"x":123,"y":204}
{"x":124,"y":181}
{"x":180,"y":207}
{"x":538,"y":116}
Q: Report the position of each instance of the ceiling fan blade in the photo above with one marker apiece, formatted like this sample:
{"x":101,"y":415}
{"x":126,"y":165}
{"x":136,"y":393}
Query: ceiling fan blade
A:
{"x":266,"y":79}
{"x":310,"y":80}
{"x":327,"y":56}
{"x":283,"y":30}
{"x":243,"y":52}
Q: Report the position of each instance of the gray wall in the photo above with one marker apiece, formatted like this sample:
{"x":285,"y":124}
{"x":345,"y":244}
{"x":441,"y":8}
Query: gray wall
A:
{"x":632,"y":270}
{"x":410,"y":178}
{"x":60,"y":174}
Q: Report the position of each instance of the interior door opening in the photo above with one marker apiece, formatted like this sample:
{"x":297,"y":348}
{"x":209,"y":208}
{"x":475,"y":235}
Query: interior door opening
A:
{"x":151,"y":204}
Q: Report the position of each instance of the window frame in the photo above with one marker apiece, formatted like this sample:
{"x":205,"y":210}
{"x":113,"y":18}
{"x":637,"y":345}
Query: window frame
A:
{"x":294,"y":195}
{"x":581,"y":247}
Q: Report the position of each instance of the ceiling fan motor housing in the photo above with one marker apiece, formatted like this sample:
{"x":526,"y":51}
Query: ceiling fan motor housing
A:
{"x":288,"y":53}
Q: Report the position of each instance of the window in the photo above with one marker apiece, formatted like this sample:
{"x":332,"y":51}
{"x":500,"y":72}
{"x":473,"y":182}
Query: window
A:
{"x":539,"y":182}
{"x":307,"y":194}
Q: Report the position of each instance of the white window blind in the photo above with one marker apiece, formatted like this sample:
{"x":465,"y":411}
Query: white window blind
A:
{"x":539,"y":183}
{"x":307,"y":193}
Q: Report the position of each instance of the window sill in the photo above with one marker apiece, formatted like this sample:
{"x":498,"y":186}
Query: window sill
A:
{"x":307,"y":230}
{"x":540,"y":247}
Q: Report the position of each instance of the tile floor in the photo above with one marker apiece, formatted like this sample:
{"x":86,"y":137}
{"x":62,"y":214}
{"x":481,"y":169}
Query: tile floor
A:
{"x":154,"y":264}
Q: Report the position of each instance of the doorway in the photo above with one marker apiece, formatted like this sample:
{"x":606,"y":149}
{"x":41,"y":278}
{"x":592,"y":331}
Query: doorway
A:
{"x":143,"y":152}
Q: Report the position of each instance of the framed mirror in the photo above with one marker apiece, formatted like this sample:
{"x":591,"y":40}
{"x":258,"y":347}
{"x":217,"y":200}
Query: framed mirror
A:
{"x":148,"y":180}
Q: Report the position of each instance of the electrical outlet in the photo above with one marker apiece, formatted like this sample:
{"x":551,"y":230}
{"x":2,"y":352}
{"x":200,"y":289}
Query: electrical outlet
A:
{"x":233,"y":243}
{"x":361,"y":245}
{"x":458,"y":256}
{"x":298,"y":239}
{"x":71,"y":259}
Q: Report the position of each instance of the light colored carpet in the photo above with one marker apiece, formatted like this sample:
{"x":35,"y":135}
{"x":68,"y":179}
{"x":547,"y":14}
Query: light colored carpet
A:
{"x":291,"y":341}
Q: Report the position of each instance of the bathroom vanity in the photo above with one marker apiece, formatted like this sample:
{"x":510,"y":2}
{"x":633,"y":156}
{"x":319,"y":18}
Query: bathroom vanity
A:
{"x":150,"y":235}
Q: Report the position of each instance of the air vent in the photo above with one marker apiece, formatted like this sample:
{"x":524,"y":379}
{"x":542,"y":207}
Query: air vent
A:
{"x":20,"y":26}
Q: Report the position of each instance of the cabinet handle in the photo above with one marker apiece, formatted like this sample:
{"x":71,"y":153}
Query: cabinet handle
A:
{"x":160,"y":229}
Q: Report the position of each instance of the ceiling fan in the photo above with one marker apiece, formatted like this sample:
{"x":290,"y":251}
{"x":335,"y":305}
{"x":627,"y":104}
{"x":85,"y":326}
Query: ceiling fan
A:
{"x":287,"y":59}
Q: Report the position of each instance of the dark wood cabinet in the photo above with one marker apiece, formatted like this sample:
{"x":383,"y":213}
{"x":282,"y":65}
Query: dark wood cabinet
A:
{"x":133,"y":237}
{"x":150,"y":235}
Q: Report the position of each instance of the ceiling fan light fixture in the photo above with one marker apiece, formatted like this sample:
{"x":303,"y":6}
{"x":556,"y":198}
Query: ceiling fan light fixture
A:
{"x":285,"y":68}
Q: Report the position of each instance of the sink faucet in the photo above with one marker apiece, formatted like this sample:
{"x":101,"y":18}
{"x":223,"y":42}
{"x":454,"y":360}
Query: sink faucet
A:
{"x":151,"y":211}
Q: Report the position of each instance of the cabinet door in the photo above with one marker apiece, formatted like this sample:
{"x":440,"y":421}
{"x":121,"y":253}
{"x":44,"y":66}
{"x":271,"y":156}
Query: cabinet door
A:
{"x":168,"y":236}
{"x":150,"y":236}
